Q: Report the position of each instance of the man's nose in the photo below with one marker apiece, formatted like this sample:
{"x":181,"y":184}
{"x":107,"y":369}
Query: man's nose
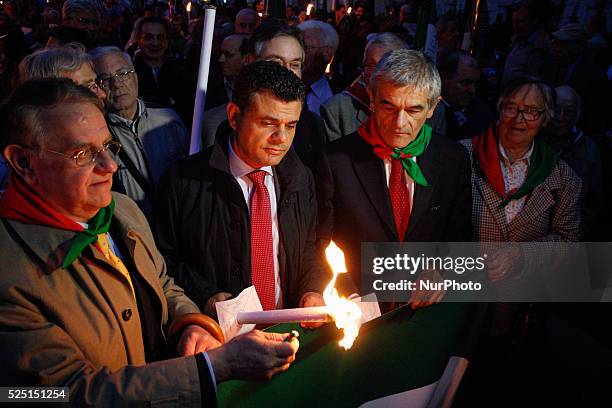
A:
{"x":281,"y":135}
{"x":105,"y":162}
{"x":401,"y":120}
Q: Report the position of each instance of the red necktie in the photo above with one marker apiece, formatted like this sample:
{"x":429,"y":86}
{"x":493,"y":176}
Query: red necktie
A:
{"x":262,"y":255}
{"x":400,"y":200}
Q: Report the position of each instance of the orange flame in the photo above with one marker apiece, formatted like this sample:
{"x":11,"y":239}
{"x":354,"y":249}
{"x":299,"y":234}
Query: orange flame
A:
{"x":309,"y":9}
{"x":349,"y":10}
{"x":188,"y":7}
{"x":345,"y":313}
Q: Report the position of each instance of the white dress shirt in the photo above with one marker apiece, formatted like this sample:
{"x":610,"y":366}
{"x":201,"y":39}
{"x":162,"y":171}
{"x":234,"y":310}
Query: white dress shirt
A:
{"x":240,"y":171}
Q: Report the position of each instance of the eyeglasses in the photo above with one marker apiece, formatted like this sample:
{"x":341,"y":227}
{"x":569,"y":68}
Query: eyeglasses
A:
{"x":121,"y":77}
{"x":290,"y":65}
{"x":529,"y":114}
{"x":89,"y":155}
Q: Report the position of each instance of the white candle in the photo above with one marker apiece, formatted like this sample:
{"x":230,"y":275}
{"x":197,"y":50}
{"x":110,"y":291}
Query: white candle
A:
{"x":305,"y":314}
{"x":200,"y":99}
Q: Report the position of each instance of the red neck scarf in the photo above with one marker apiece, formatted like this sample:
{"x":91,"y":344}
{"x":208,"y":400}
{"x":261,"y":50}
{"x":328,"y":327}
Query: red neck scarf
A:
{"x":369,"y":132}
{"x":486,"y":150}
{"x":542,"y":163}
{"x":21,"y":203}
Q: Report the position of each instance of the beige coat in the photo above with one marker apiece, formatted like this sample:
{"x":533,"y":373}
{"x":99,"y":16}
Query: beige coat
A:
{"x":67,"y":328}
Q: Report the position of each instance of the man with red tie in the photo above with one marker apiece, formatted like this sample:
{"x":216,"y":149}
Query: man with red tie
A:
{"x":243,"y":212}
{"x":392,"y":181}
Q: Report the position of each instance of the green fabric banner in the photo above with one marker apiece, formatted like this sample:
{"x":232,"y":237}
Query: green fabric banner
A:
{"x":399,"y":351}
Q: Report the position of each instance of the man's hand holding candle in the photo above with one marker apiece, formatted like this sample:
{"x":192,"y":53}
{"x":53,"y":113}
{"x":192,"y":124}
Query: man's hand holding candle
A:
{"x":311,"y":299}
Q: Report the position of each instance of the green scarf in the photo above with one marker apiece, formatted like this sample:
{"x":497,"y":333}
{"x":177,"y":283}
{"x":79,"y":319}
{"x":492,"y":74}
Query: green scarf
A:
{"x":369,"y":133}
{"x":99,"y":224}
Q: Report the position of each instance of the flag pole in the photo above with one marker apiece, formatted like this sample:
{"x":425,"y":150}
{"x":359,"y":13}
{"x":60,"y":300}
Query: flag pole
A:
{"x":200,"y":99}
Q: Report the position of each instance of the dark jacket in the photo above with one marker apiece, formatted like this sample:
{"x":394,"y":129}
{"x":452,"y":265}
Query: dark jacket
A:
{"x":478,"y":119}
{"x":203,"y":227}
{"x":355,"y":207}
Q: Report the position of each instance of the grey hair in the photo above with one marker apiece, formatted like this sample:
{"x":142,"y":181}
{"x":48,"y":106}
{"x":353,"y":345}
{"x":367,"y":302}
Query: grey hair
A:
{"x":72,"y":6}
{"x":53,"y":62}
{"x":408,"y":68}
{"x":327,"y":35}
{"x":387,"y":41}
{"x":100,"y":52}
{"x":543,"y":88}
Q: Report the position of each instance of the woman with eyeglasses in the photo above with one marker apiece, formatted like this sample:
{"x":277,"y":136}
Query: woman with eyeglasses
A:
{"x":522,"y":191}
{"x":524,"y":203}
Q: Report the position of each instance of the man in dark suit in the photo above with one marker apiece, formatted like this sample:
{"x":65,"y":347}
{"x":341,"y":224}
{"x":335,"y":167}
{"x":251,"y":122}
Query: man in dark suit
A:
{"x":391,"y":180}
{"x":243,"y":212}
{"x":284,"y":45}
{"x":466,"y":114}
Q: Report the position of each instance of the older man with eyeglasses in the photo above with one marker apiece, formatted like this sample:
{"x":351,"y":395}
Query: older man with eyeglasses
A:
{"x":152,"y":138}
{"x":85,"y":301}
{"x":62,"y":62}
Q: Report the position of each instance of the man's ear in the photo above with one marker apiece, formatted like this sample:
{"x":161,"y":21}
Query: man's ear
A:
{"x":233,"y":114}
{"x":19,"y":159}
{"x":371,"y":95}
{"x":431,"y":110}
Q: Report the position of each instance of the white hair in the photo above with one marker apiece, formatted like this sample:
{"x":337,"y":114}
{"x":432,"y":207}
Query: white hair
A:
{"x":326,"y":34}
{"x":100,"y":52}
{"x":54,"y":62}
{"x":408,"y":68}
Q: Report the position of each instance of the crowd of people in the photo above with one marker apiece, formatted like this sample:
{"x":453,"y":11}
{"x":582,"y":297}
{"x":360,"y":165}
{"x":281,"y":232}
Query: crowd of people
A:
{"x":318,"y":126}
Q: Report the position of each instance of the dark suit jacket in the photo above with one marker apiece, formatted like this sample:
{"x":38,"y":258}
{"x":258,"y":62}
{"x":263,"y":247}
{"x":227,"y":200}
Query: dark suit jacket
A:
{"x":355,"y":207}
{"x":479,"y":118}
{"x":203,"y":227}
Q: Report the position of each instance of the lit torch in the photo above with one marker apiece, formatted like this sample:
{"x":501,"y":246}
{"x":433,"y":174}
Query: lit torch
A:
{"x":309,"y":9}
{"x":345,"y":313}
{"x":189,"y":11}
{"x":350,"y":9}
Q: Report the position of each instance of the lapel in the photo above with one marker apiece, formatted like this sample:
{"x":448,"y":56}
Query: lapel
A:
{"x":539,"y":201}
{"x":492,"y":201}
{"x":139,"y":251}
{"x":430,"y":165}
{"x":49,"y":245}
{"x":370,"y":171}
{"x":361,"y":115}
{"x":489,"y":196}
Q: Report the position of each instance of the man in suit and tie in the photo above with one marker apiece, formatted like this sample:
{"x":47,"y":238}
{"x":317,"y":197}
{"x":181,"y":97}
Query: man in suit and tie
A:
{"x":391,"y":181}
{"x":243,"y":212}
{"x":275,"y":41}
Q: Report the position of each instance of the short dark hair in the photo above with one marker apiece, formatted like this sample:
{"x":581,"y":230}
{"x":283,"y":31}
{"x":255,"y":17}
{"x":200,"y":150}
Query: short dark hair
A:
{"x":64,"y":35}
{"x":267,"y":76}
{"x":270,"y":29}
{"x":153,"y":20}
{"x":448,"y":62}
{"x":23,"y":115}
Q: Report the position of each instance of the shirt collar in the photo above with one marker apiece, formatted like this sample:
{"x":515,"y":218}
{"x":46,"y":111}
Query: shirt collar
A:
{"x":321,"y":87}
{"x":238,"y":167}
{"x":526,"y":156}
{"x":142,"y":109}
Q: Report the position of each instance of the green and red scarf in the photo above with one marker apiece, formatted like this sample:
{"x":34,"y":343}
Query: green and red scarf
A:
{"x":486,"y":150}
{"x":369,"y":132}
{"x":21,"y":203}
